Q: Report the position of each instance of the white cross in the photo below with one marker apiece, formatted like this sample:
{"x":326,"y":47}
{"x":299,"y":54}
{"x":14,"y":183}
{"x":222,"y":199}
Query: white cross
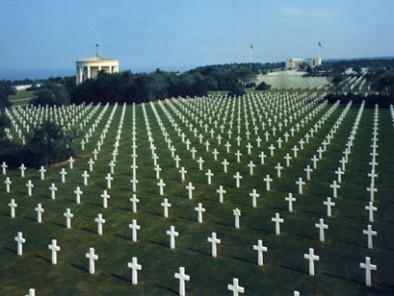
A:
{"x":105,"y":196}
{"x":251,"y":166}
{"x":272,"y":149}
{"x":42,"y":171}
{"x":112,"y":166}
{"x":369,"y":232}
{"x":134,"y":200}
{"x":19,"y":241}
{"x":207,"y":144}
{"x":235,"y":287}
{"x":295,"y":150}
{"x":237,"y":214}
{"x":237,"y":178}
{"x":134,"y":227}
{"x":221,"y":192}
{"x":227,"y":145}
{"x":53,"y":190}
{"x":7,"y":182}
{"x":300,"y":184}
{"x":267,"y":180}
{"x":372,"y":189}
{"x":54,"y":248}
{"x":96,"y":152}
{"x":249,"y":148}
{"x":100,"y":221}
{"x":22,"y":168}
{"x":335,"y":187}
{"x":308,"y":171}
{"x":29,"y":186}
{"x":85,"y":176}
{"x":320,"y":151}
{"x":314,"y":160}
{"x":91,"y":163}
{"x":238,"y":154}
{"x":279,"y":169}
{"x":12,"y":206}
{"x":371,"y":208}
{"x":225,"y":163}
{"x":279,"y":141}
{"x":277,"y":219}
{"x":177,"y":160}
{"x":71,"y":162}
{"x":321,"y":227}
{"x":329,"y":204}
{"x":339,"y":173}
{"x":260,"y":249}
{"x":68,"y":216}
{"x":4,"y":166}
{"x":63,"y":173}
{"x":166,"y":205}
{"x":109,"y":178}
{"x":172,"y":233}
{"x":290,"y":199}
{"x":288,"y":158}
{"x":157,"y":169}
{"x":183,"y":172}
{"x":182,"y":277}
{"x":193,"y":151}
{"x":368,"y":268}
{"x":134,"y":270}
{"x":32,"y":292}
{"x":92,"y":257}
{"x":200,"y":163}
{"x":254,"y":196}
{"x":161,"y":185}
{"x":190,"y":189}
{"x":214,"y":241}
{"x":262,"y":156}
{"x":200,"y":211}
{"x":215,"y":153}
{"x":312,"y":258}
{"x":39,"y":211}
{"x":78,"y":194}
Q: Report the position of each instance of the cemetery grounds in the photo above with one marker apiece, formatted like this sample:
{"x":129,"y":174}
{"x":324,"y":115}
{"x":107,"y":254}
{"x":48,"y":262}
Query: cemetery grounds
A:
{"x":327,"y":134}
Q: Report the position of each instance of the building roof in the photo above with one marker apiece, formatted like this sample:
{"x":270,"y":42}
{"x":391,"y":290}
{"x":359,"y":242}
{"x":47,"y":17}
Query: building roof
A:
{"x":96,"y":59}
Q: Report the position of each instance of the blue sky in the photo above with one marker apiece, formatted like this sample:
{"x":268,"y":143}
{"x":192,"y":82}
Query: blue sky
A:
{"x":49,"y":35}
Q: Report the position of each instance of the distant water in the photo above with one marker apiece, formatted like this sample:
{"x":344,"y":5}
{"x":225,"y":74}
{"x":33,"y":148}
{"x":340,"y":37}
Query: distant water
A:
{"x":47,"y":73}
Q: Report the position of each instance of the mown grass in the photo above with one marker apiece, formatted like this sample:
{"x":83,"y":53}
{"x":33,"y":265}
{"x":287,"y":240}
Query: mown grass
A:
{"x":284,"y":270}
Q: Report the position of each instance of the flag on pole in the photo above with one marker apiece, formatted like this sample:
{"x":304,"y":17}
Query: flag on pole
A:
{"x":319,"y":44}
{"x":251,"y":46}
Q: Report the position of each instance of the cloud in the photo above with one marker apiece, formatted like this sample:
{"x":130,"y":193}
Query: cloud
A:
{"x":319,"y":14}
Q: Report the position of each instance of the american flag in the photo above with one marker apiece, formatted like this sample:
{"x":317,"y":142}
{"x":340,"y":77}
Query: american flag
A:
{"x":319,"y":44}
{"x":251,"y":46}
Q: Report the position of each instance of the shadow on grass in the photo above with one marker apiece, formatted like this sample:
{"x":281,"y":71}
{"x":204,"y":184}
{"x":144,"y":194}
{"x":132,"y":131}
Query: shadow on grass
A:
{"x":30,"y":219}
{"x":83,"y":269}
{"x":167,"y":289}
{"x":43,"y":258}
{"x":5,"y":214}
{"x":89,"y":230}
{"x":123,"y":237}
{"x":243,"y":259}
{"x":200,"y":252}
{"x":125,"y":209}
{"x":122,"y":278}
{"x":10,"y":250}
{"x":293,"y":269}
{"x":159,"y":244}
{"x":154,"y":214}
{"x":59,"y":224}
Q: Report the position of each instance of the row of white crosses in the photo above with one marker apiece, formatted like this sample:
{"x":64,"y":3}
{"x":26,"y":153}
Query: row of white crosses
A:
{"x":370,"y":208}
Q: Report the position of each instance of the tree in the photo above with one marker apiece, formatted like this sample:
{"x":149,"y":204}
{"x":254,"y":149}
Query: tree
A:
{"x":336,"y":81}
{"x":263,"y":86}
{"x":48,"y":144}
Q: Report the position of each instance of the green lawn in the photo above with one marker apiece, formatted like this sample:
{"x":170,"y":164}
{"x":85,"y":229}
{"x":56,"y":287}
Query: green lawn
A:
{"x":21,"y":97}
{"x":284,"y":270}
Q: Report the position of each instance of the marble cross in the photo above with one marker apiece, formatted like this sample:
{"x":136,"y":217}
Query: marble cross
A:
{"x":166,"y":205}
{"x":39,"y":211}
{"x":182,"y":277}
{"x":321,"y":227}
{"x":54,"y":248}
{"x":370,"y":233}
{"x":221,"y":193}
{"x":290,"y":200}
{"x":311,"y":257}
{"x":190,"y":189}
{"x":134,"y":270}
{"x":260,"y":249}
{"x":20,"y":240}
{"x":12,"y":206}
{"x":172,"y":233}
{"x":277,"y":219}
{"x":100,"y":221}
{"x":235,"y":287}
{"x":92,"y":258}
{"x":368,"y":268}
{"x":200,"y":211}
{"x":214,"y":241}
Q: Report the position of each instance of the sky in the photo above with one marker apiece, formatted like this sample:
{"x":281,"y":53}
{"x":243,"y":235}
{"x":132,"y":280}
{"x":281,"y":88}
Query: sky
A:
{"x":46,"y":37}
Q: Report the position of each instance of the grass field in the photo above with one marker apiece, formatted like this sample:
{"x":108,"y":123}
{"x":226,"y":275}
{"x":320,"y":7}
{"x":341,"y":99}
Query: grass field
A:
{"x":22,"y":98}
{"x":285,"y":269}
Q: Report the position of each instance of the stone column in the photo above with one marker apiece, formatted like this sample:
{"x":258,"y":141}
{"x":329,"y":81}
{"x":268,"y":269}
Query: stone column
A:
{"x":89,"y":74}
